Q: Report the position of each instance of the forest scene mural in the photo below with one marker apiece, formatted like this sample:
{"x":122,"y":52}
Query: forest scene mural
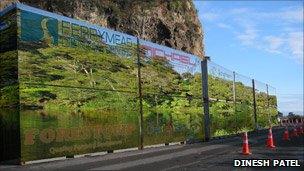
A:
{"x":74,"y":99}
{"x":76,"y":89}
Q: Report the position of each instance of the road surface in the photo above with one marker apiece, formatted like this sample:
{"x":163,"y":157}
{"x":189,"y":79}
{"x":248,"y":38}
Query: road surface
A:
{"x":218,"y":154}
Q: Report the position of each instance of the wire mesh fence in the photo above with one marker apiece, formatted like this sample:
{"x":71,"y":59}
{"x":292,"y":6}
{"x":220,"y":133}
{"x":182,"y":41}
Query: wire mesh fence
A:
{"x":220,"y":86}
{"x":272,"y":104}
{"x":261,"y":103}
{"x":244,"y":102}
{"x":234,"y":103}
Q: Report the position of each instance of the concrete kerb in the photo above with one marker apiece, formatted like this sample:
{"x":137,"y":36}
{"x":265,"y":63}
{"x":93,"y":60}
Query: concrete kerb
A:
{"x":182,"y":143}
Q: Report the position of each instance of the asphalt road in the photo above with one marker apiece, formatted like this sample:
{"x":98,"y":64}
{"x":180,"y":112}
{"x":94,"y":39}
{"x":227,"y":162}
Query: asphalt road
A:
{"x":218,"y":154}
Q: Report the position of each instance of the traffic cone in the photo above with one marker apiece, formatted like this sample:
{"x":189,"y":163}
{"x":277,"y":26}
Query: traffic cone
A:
{"x":246,"y":150}
{"x":269,"y":142}
{"x":286,"y":135}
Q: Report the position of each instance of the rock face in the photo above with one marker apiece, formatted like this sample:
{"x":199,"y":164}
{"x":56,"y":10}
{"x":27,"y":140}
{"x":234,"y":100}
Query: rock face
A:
{"x":173,"y":23}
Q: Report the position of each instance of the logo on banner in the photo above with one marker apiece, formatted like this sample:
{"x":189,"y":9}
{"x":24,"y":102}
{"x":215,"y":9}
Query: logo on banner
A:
{"x":35,"y":27}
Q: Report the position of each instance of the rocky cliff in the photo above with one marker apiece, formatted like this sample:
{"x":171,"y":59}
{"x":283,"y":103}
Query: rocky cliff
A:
{"x":173,"y":23}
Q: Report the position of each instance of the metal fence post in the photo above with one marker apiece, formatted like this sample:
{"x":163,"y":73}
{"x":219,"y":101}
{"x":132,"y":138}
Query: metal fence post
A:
{"x":204,"y":67}
{"x":141,"y":134}
{"x":234,"y":101}
{"x":267,"y":91}
{"x":233,"y":89}
{"x":268,"y":110}
{"x":254,"y":106}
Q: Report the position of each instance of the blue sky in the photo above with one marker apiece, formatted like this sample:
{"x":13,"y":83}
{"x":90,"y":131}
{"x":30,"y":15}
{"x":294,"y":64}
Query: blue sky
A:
{"x":259,"y":39}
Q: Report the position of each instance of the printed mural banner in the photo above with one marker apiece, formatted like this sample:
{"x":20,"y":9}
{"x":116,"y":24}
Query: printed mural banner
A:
{"x":69,"y":87}
{"x":171,"y":94}
{"x":78,"y":88}
{"x":77,"y":94}
{"x":9,"y":96}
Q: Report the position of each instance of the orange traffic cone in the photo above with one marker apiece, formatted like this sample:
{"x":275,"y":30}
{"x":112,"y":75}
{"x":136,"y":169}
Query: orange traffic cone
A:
{"x":286,"y":135}
{"x":269,"y":142}
{"x":246,"y":150}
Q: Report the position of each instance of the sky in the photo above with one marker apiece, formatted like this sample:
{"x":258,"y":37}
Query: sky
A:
{"x":259,"y":39}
